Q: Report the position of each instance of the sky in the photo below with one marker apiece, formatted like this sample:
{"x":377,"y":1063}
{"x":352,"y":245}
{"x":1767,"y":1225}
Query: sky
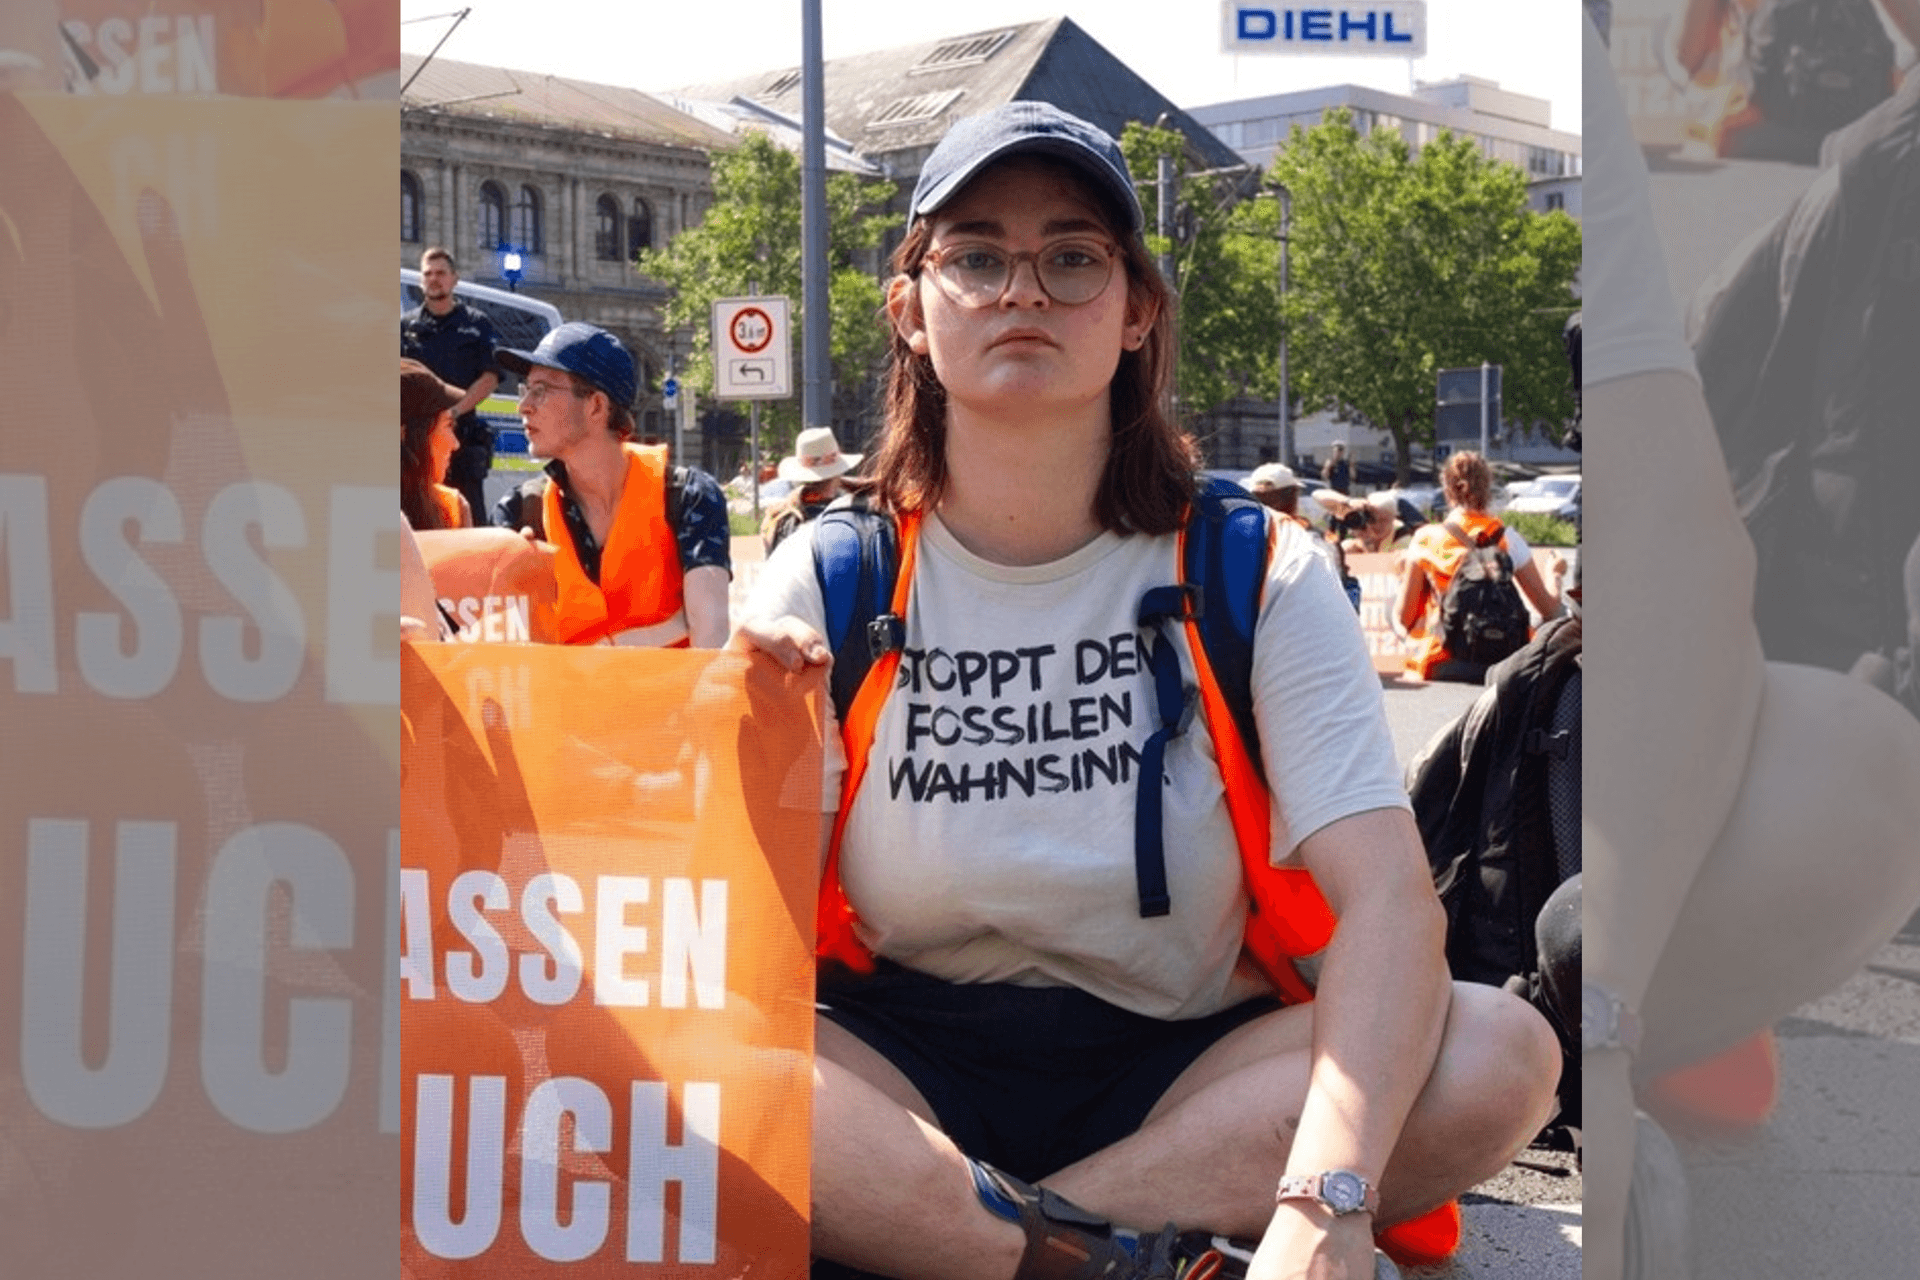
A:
{"x":1531,"y":46}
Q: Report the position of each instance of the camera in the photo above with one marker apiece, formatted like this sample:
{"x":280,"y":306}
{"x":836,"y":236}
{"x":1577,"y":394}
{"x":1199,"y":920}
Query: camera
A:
{"x":1352,"y":522}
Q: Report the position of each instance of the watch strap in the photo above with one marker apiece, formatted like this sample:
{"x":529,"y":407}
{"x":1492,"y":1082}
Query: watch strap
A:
{"x":1309,"y":1186}
{"x":1619,"y":1030}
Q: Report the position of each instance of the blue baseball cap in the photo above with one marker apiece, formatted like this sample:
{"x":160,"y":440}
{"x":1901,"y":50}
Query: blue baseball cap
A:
{"x":584,"y":349}
{"x":1024,"y":128}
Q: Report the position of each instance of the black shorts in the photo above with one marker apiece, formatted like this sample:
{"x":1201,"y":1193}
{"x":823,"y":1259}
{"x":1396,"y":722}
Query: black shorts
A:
{"x":1028,"y":1079}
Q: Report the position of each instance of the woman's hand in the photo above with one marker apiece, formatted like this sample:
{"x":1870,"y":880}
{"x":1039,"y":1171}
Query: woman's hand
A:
{"x":787,"y":640}
{"x":1307,"y":1243}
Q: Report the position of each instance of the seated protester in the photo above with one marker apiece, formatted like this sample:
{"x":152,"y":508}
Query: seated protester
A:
{"x":1366,"y":526}
{"x":645,"y":556}
{"x":427,"y":443}
{"x":1383,"y":529}
{"x":1053,"y":1044}
{"x":1438,"y":550}
{"x":1278,"y":489}
{"x":814,"y":470}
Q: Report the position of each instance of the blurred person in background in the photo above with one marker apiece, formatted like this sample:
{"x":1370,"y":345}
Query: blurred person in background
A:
{"x":427,"y":443}
{"x":814,"y":471}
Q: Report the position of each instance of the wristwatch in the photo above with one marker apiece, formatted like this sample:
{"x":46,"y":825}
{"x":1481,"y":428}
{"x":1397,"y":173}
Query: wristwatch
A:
{"x":1606,"y":1022}
{"x":1341,"y":1190}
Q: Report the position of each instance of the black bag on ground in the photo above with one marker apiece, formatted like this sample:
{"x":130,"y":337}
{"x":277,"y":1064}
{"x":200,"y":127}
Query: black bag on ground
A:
{"x":1486,"y":811}
{"x":1482,"y":617}
{"x":1496,"y":795}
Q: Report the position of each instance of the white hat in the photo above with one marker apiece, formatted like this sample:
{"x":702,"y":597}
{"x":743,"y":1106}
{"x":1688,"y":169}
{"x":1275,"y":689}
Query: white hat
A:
{"x":1273,"y":475}
{"x":817,"y":456}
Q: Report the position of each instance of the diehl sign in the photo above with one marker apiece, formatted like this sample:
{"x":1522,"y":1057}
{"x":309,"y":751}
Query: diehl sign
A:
{"x":1394,"y":28}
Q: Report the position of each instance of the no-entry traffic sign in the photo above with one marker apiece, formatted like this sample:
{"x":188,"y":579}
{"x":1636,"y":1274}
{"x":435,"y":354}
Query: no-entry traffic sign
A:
{"x":752,"y":349}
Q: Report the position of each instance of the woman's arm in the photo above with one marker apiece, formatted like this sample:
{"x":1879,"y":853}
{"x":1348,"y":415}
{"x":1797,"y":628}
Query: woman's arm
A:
{"x":1544,"y":599}
{"x":1413,"y":594}
{"x":1379,"y":1013}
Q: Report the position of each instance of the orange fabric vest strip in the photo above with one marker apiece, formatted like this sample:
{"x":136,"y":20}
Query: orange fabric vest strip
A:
{"x":640,"y":576}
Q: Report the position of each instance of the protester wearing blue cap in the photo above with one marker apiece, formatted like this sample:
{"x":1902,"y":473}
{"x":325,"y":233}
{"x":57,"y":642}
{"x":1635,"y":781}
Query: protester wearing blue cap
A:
{"x":1032,"y":1061}
{"x":608,"y":504}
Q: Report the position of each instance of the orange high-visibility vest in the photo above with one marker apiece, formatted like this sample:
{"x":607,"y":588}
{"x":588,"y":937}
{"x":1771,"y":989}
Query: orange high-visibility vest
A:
{"x":1439,"y":553}
{"x":640,"y":597}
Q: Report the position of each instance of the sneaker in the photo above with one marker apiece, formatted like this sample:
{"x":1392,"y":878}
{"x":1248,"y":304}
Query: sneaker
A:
{"x":1234,"y":1257}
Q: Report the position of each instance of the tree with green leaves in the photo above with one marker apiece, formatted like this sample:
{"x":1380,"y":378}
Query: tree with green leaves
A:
{"x":1225,"y":254}
{"x":751,"y":236}
{"x":1404,"y":264}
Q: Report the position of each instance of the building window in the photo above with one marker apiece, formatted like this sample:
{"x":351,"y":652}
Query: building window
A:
{"x":966,"y":52}
{"x":916,"y":108}
{"x":526,"y":222}
{"x":606,"y":230}
{"x":493,"y":216}
{"x":409,"y":208}
{"x":640,"y":227}
{"x":1556,"y":200}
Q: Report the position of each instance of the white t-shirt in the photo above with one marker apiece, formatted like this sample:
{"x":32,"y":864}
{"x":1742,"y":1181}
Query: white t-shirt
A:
{"x":1629,"y":318}
{"x":993,"y":837}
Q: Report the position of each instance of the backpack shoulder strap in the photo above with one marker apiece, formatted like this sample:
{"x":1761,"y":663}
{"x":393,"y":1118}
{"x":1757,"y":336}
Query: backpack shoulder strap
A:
{"x":855,"y":559}
{"x":1228,"y":544}
{"x":864,"y":563}
{"x":1223,"y":558}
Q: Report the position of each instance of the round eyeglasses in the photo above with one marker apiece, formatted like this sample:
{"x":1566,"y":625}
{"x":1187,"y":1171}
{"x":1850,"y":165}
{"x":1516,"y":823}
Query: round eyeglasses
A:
{"x":977,"y":274}
{"x":532,"y":393}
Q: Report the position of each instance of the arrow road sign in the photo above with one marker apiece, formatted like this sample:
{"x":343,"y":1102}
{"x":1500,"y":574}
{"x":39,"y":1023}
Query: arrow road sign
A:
{"x":753,"y":349}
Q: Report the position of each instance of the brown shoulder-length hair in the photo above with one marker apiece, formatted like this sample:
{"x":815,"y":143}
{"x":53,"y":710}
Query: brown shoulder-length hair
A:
{"x":1467,"y":480}
{"x":1149,"y":477}
{"x":416,"y":474}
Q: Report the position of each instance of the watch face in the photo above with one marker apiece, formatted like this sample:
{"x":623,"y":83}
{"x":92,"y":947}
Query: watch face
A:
{"x":1342,"y":1191}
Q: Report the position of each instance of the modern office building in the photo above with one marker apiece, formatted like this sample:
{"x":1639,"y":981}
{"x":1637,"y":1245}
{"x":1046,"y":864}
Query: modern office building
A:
{"x":1508,"y":126}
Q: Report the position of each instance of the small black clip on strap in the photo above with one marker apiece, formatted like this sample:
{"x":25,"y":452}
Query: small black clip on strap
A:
{"x":885,"y":634}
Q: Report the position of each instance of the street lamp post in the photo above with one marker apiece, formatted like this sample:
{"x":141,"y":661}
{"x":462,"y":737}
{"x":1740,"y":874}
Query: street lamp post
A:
{"x":1286,"y":406}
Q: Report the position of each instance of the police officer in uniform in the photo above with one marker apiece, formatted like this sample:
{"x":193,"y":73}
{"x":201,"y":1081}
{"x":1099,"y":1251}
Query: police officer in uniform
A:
{"x":456,"y":341}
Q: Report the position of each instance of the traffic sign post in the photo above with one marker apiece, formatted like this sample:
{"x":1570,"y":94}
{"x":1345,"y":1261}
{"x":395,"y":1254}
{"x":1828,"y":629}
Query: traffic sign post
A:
{"x":1467,"y":405}
{"x":752,"y":349}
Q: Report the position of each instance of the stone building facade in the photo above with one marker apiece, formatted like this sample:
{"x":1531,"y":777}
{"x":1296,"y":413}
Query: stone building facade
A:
{"x":575,"y":178}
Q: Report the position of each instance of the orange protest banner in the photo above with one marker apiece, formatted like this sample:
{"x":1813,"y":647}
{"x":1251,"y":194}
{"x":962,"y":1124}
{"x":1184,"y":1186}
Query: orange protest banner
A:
{"x":494,"y":584}
{"x":199,"y":664}
{"x":607,"y":889}
{"x":1379,"y":575}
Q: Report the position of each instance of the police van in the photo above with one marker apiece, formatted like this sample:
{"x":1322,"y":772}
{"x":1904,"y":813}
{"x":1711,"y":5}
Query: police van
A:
{"x":519,"y":322}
